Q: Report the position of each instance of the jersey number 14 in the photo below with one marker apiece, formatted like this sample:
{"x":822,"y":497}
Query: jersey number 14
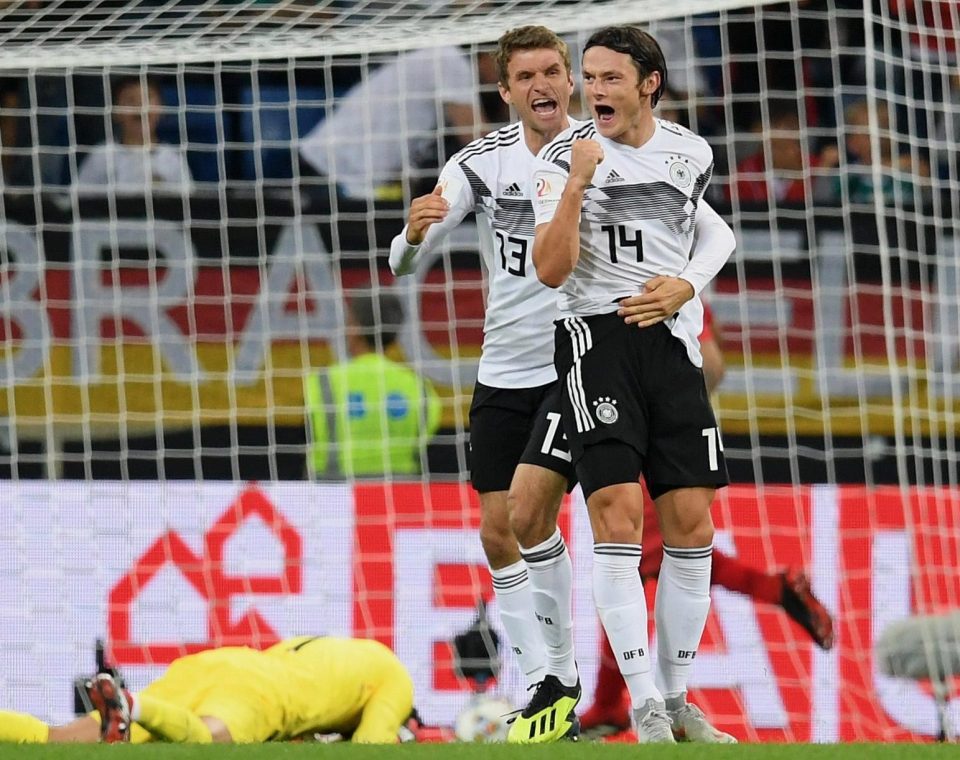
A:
{"x":617,"y":239}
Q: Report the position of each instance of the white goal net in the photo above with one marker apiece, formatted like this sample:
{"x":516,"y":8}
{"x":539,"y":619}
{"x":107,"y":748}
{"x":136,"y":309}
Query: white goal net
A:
{"x":193,"y":191}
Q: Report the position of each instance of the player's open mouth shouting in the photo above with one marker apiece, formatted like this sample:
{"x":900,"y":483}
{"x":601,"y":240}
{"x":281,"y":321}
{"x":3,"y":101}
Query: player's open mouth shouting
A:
{"x":604,"y":113}
{"x":544,"y":106}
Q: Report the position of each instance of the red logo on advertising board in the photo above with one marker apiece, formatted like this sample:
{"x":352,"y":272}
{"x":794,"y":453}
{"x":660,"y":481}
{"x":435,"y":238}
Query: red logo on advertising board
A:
{"x":207,"y":576}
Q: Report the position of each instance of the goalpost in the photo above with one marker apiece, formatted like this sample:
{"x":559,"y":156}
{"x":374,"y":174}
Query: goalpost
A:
{"x":156,"y":328}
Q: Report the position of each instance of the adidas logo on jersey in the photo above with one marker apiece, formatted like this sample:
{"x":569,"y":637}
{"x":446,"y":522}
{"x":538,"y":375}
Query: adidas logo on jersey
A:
{"x":613,"y":177}
{"x":513,"y":191}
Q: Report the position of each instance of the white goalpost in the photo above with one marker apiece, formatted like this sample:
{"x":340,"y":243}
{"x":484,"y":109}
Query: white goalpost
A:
{"x":190,"y":192}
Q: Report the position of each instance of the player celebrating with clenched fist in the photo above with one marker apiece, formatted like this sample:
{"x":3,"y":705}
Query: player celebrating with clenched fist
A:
{"x":618,"y":210}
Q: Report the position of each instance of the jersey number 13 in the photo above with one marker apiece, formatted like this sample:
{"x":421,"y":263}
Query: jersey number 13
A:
{"x":513,"y":254}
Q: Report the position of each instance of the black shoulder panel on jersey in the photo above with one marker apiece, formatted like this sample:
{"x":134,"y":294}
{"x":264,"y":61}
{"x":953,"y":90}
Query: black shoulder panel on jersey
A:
{"x":557,"y":149}
{"x":672,"y":128}
{"x":506,"y":136}
{"x":679,"y":130}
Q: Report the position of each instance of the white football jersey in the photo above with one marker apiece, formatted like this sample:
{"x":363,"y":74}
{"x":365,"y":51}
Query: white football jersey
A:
{"x":493,"y":176}
{"x":637,"y":220}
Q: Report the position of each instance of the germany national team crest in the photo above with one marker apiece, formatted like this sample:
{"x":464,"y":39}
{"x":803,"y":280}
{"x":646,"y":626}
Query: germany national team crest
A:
{"x":680,"y":174}
{"x":606,"y":410}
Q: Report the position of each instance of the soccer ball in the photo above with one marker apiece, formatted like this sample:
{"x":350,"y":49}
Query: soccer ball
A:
{"x":484,"y":719}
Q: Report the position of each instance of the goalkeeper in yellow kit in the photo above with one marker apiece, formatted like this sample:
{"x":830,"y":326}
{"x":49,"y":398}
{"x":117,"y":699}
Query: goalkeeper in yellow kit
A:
{"x":295,"y":689}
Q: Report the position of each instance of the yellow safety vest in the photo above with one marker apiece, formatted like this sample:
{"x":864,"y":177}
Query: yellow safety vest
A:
{"x":382,"y":414}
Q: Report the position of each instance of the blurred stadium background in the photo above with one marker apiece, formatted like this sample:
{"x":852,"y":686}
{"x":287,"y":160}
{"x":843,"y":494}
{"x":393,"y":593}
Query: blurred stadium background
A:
{"x":153,"y":344}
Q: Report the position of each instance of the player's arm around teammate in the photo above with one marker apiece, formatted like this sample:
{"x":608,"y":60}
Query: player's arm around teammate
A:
{"x":663,"y":296}
{"x":687,"y":514}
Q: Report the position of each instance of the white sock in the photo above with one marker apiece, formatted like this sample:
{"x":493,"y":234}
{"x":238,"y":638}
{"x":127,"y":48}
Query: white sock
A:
{"x":621,"y":605}
{"x":512,"y":589}
{"x":683,"y":601}
{"x":551,"y":584}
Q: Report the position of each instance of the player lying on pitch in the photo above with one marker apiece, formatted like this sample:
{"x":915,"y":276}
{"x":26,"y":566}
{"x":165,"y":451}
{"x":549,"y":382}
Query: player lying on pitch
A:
{"x":297,"y":688}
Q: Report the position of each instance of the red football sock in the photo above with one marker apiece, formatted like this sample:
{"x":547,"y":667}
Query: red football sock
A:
{"x":610,"y":684}
{"x":736,"y":576}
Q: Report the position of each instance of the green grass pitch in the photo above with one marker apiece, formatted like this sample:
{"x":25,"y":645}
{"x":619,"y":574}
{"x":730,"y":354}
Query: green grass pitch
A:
{"x":565,"y":751}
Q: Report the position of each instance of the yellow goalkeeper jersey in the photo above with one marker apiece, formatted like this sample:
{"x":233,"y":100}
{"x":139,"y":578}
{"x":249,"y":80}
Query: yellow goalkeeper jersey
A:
{"x":300,"y":686}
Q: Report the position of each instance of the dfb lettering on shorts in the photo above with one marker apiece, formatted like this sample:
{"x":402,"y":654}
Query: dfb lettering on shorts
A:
{"x":632,"y":654}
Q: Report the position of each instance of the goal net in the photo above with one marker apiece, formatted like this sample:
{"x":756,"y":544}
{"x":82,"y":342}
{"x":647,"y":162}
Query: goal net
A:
{"x":193,"y":193}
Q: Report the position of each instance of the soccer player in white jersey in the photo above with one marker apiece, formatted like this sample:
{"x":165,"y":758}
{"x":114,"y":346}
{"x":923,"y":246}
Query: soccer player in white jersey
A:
{"x":520,"y":462}
{"x":619,"y":209}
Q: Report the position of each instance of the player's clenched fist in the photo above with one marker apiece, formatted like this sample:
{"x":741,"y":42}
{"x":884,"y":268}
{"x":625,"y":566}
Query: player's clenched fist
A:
{"x":424,"y":211}
{"x":584,"y":159}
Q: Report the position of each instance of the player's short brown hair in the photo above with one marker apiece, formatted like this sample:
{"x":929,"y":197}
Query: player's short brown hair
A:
{"x":528,"y":38}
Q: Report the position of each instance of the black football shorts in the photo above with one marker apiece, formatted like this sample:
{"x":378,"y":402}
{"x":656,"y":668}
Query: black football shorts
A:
{"x":637,"y":386}
{"x":509,"y":426}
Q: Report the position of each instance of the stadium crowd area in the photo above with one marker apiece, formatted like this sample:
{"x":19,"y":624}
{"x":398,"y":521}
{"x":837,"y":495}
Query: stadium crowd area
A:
{"x":779,"y":99}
